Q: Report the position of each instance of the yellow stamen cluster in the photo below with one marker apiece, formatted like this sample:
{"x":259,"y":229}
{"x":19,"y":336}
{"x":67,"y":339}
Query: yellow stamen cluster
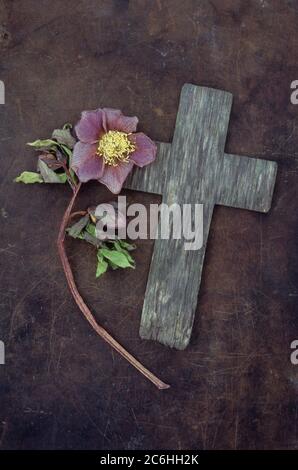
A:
{"x":114,"y":147}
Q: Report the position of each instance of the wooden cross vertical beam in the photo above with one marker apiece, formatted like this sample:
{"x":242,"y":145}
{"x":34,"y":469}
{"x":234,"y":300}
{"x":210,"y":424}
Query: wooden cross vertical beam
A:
{"x":194,"y":169}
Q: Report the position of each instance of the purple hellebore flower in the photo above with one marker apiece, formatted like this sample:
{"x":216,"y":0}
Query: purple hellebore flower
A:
{"x":108,"y":147}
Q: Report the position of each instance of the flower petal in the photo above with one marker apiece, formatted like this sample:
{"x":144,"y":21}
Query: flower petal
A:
{"x":146,"y":149}
{"x":111,"y":116}
{"x":114,"y":176}
{"x":81,"y":153}
{"x":86,"y":163}
{"x":116,"y":121}
{"x":90,"y":127}
{"x":127,"y":124}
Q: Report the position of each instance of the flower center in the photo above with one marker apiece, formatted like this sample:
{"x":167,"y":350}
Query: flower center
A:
{"x":114,"y":147}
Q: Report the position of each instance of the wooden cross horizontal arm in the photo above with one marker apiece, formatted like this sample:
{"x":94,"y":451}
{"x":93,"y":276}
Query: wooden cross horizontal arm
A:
{"x":258,"y":176}
{"x":247,"y":183}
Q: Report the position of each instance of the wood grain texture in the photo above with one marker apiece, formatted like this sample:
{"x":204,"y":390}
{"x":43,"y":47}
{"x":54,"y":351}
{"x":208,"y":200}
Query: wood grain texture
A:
{"x":234,"y":386}
{"x":194,"y":169}
{"x":246,"y":183}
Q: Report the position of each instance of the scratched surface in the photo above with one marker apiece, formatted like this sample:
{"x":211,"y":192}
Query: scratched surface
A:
{"x":234,"y":387}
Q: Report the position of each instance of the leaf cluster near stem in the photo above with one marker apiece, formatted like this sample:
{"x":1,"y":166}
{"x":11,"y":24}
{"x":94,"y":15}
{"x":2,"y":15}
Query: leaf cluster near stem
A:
{"x":110,"y":253}
{"x":54,"y":160}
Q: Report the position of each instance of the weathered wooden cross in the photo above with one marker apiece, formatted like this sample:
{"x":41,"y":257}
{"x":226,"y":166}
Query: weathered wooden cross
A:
{"x":194,"y":169}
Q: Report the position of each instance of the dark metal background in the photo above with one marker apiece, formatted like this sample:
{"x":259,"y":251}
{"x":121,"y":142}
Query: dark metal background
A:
{"x":235,"y":386}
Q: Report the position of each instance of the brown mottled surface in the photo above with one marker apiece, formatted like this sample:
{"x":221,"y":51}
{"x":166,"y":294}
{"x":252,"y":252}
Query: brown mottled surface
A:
{"x":62,"y":387}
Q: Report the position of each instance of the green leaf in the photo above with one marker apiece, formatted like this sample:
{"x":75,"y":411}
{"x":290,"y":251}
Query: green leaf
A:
{"x":91,"y":229}
{"x":48,"y":175}
{"x":62,"y":177}
{"x":124,"y":251}
{"x":102,"y":265}
{"x":127,"y":246}
{"x":113,"y":266}
{"x":42,"y":144}
{"x":64,"y":137}
{"x":29,"y":177}
{"x":73,"y":176}
{"x":67,"y":150}
{"x":116,"y":257}
{"x":71,"y":172}
{"x":76,"y":229}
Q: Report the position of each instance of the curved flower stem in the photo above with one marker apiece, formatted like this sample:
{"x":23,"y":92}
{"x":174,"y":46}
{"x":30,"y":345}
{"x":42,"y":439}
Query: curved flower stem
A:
{"x":86,"y":311}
